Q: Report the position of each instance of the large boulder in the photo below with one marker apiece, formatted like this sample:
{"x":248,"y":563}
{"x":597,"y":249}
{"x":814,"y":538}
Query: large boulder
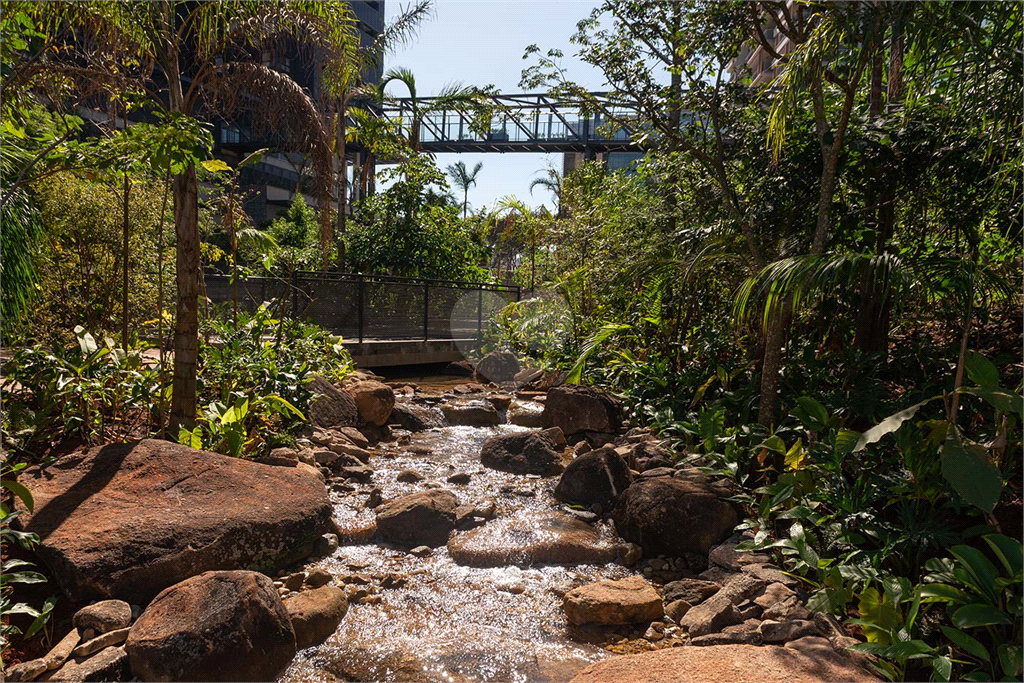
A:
{"x":424,"y":518}
{"x":373,"y":399}
{"x":667,"y":516}
{"x":577,"y":409}
{"x":333,"y":407}
{"x":315,"y":614}
{"x":417,"y":418}
{"x":130,"y":519}
{"x":738,"y":663}
{"x":596,"y":477}
{"x":521,"y":453}
{"x":497,"y":367}
{"x":472,"y":413}
{"x":527,"y":538}
{"x":218,"y":626}
{"x":625,"y":601}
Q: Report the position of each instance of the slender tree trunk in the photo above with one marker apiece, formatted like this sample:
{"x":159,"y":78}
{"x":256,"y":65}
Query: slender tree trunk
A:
{"x":125,"y":256}
{"x":185,"y":189}
{"x":160,"y":302}
{"x":342,"y":191}
{"x":186,"y":330}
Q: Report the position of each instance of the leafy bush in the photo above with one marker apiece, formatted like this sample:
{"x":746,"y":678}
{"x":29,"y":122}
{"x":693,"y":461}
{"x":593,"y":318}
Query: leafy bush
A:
{"x":15,"y":571}
{"x":253,"y":378}
{"x":402,"y":231}
{"x":87,"y":392}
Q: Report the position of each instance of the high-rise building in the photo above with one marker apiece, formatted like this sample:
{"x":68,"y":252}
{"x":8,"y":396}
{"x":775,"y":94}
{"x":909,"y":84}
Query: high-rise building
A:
{"x":271,"y":185}
{"x":756,"y":62}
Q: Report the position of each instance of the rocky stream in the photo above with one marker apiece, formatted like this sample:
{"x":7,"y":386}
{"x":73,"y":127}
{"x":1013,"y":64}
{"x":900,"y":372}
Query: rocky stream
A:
{"x":476,"y":531}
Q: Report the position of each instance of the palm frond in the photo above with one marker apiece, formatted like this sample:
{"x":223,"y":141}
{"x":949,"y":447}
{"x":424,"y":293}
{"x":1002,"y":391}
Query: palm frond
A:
{"x":398,"y":33}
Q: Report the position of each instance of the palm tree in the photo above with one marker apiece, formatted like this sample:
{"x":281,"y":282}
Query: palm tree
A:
{"x":344,"y":83}
{"x":529,"y":225}
{"x":464,"y":179}
{"x":552,"y":182}
{"x":453,"y":96}
{"x":212,"y":35}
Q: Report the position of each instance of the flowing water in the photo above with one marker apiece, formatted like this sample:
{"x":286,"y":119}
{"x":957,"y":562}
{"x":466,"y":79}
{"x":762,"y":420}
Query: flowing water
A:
{"x":431,"y":619}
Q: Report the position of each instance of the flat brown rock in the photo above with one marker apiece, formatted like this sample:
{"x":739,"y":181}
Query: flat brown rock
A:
{"x":626,"y":601}
{"x":734,"y":663}
{"x":128,"y":520}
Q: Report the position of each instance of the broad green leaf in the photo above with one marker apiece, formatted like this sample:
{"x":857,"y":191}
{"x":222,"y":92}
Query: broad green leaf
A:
{"x":998,"y":398}
{"x":889,"y":425}
{"x":20,"y":491}
{"x":1008,"y":550}
{"x":811,"y":414}
{"x":215,"y":166}
{"x":973,"y":616}
{"x":877,"y":609}
{"x":981,"y":370}
{"x":274,"y":398}
{"x":795,"y":455}
{"x":1010,"y":658}
{"x":905,"y":649}
{"x":846,"y":441}
{"x":966,"y":643}
{"x":773,"y":443}
{"x":85,"y":341}
{"x":42,"y":617}
{"x":940,"y":592}
{"x":253,"y":158}
{"x":942,"y":668}
{"x":970,"y":474}
{"x":983,"y":573}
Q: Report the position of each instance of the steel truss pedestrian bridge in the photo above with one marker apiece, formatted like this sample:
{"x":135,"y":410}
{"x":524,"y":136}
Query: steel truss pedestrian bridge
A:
{"x":523,"y":123}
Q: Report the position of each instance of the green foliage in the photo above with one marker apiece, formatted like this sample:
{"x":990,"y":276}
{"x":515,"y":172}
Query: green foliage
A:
{"x":91,"y":392}
{"x":15,"y":571}
{"x":255,"y":377}
{"x":79,"y":272}
{"x":400,"y":231}
{"x":297,"y":235}
{"x":982,"y":599}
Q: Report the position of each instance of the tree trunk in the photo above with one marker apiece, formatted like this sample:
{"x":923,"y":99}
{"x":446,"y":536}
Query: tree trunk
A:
{"x":342,"y":192}
{"x":125,"y":257}
{"x":186,"y":330}
{"x":774,"y":339}
{"x":185,"y":190}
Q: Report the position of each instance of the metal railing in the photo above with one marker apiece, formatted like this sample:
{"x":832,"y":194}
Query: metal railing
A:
{"x":371,"y":307}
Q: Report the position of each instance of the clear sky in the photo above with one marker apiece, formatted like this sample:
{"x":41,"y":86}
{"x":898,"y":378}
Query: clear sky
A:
{"x":481,"y":42}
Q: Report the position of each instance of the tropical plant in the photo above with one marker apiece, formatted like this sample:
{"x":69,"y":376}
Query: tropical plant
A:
{"x":17,"y":571}
{"x":982,"y":599}
{"x":464,"y":179}
{"x":210,"y":34}
{"x":344,"y":77}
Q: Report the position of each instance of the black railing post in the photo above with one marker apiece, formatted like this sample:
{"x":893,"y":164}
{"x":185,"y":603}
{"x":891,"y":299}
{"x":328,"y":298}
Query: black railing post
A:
{"x":480,"y":311}
{"x":519,"y":293}
{"x":426,"y":311}
{"x":360,"y":289}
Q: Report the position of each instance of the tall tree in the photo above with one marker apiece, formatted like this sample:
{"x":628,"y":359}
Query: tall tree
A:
{"x":347,"y":79}
{"x":464,"y":179}
{"x":201,"y":51}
